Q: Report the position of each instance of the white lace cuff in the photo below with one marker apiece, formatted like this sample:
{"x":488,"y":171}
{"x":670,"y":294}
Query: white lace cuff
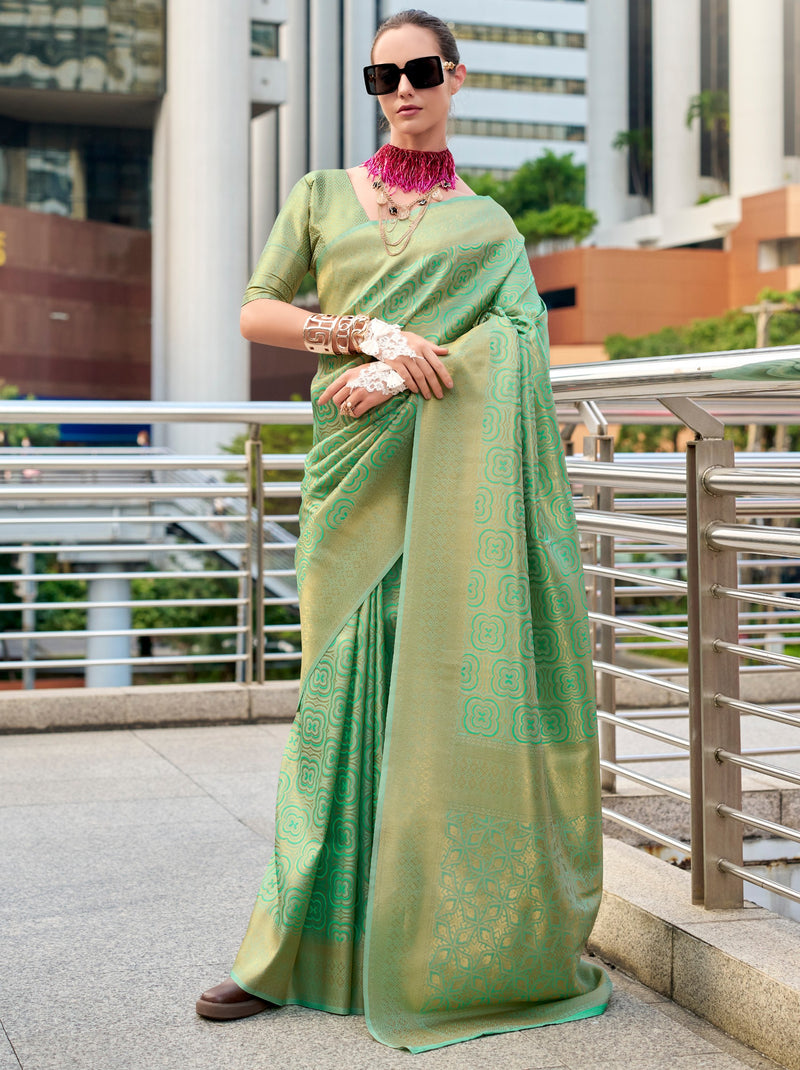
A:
{"x":377,"y":376}
{"x":385,"y":341}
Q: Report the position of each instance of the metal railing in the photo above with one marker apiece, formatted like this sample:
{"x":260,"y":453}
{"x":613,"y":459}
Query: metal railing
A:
{"x":692,"y":565}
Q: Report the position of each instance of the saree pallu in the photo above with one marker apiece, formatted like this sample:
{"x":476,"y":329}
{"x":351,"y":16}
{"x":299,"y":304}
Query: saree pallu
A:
{"x":437,"y":860}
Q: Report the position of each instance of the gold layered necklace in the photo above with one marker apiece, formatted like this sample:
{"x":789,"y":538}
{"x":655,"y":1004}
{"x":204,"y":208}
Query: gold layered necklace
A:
{"x":424,"y":174}
{"x":395,"y":212}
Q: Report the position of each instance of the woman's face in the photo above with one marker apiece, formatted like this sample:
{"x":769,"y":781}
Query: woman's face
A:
{"x":418,"y":117}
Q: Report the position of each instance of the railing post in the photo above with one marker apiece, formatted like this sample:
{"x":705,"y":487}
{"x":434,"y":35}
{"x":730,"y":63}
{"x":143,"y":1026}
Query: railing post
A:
{"x":601,"y":448}
{"x":255,"y":555}
{"x":712,"y":672}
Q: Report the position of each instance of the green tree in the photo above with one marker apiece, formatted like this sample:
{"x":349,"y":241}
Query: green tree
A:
{"x":537,"y":185}
{"x":544,"y":197}
{"x":16,"y":434}
{"x":561,"y":221}
{"x":733,"y":330}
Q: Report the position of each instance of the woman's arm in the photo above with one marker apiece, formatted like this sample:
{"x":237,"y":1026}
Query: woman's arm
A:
{"x":273,"y":322}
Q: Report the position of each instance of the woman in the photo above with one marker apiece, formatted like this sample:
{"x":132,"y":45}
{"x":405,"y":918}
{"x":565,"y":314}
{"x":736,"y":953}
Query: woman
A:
{"x":437,"y":857}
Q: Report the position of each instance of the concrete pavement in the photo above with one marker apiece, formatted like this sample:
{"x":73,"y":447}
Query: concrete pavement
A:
{"x":130,"y":860}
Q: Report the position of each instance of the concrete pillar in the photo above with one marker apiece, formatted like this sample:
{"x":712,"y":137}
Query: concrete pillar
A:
{"x":325,"y":83}
{"x":113,"y":618}
{"x":607,"y":171}
{"x":293,"y":131}
{"x":360,"y":127}
{"x":676,"y":79}
{"x":263,"y":180}
{"x":756,"y":96}
{"x":158,"y":257}
{"x":206,"y":142}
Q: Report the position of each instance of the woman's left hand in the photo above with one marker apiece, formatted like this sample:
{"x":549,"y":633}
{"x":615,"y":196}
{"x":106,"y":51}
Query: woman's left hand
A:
{"x":361,"y":400}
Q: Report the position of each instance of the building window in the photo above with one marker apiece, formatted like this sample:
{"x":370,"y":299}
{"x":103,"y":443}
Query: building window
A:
{"x":780,"y":253}
{"x":83,"y":47}
{"x":554,"y":299}
{"x":263,"y":39}
{"x":82,"y":172}
{"x":714,"y":139}
{"x":523,"y":130}
{"x":525,"y":83}
{"x":517,"y":35}
{"x":640,"y":98}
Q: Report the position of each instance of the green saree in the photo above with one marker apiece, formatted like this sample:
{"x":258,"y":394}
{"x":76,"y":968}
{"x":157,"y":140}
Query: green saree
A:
{"x":437,"y":858}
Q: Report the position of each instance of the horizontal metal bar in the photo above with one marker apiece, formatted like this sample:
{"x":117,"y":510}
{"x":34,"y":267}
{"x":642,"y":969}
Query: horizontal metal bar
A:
{"x":122,"y":547}
{"x":616,"y":474}
{"x":671,"y":531}
{"x":765,"y":657}
{"x":81,"y":663}
{"x":771,"y":827}
{"x":643,"y":730}
{"x":746,"y":409}
{"x":147,"y":412}
{"x":63,"y":577}
{"x":753,"y":538}
{"x":637,"y":826}
{"x":655,"y":713}
{"x":282,"y":490}
{"x":773,"y":771}
{"x":125,"y":462}
{"x":136,"y":603}
{"x":85,"y":633}
{"x":625,"y":625}
{"x":635,"y":578}
{"x":632,"y":674}
{"x":742,"y":481}
{"x":96,"y":492}
{"x":754,"y":710}
{"x":633,"y":759}
{"x":752,"y":594}
{"x":756,"y":878}
{"x":270,"y":628}
{"x":648,"y":781}
{"x":148,"y":518}
{"x":697,"y":375}
{"x":292,"y":655}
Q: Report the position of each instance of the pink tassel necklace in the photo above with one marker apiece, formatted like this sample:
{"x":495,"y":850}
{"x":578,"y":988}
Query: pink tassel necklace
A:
{"x":412,"y":171}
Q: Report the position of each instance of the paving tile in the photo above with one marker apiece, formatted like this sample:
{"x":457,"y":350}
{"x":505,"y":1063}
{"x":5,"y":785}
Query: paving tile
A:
{"x":8,"y":1059}
{"x":76,"y":755}
{"x":47,"y":791}
{"x":250,"y":797}
{"x":726,"y":1044}
{"x":626,"y":1033}
{"x":654,"y":1061}
{"x":216,"y":749}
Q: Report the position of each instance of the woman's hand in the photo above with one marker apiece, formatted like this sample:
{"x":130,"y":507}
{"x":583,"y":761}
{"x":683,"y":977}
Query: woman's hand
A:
{"x":360,"y":400}
{"x":426,"y":373}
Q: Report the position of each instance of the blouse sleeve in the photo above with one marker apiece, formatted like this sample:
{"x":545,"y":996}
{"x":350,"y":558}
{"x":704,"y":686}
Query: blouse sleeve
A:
{"x":287,"y":256}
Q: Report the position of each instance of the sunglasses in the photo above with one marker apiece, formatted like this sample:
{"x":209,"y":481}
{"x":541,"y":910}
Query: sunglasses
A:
{"x":424,"y":73}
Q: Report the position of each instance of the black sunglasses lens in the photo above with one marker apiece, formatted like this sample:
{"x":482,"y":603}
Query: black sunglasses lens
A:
{"x":425,"y":73}
{"x":381,"y":78}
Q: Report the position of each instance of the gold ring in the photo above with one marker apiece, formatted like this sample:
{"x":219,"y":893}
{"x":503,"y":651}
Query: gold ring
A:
{"x":346,"y":408}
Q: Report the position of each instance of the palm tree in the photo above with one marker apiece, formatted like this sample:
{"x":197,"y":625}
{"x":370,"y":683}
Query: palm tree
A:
{"x":712,"y":108}
{"x":639,"y":146}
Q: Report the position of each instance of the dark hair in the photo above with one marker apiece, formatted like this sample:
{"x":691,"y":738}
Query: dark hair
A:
{"x":414,"y":17}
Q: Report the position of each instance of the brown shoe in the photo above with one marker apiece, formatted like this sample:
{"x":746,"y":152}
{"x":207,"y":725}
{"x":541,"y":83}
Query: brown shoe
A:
{"x":227,"y":1001}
